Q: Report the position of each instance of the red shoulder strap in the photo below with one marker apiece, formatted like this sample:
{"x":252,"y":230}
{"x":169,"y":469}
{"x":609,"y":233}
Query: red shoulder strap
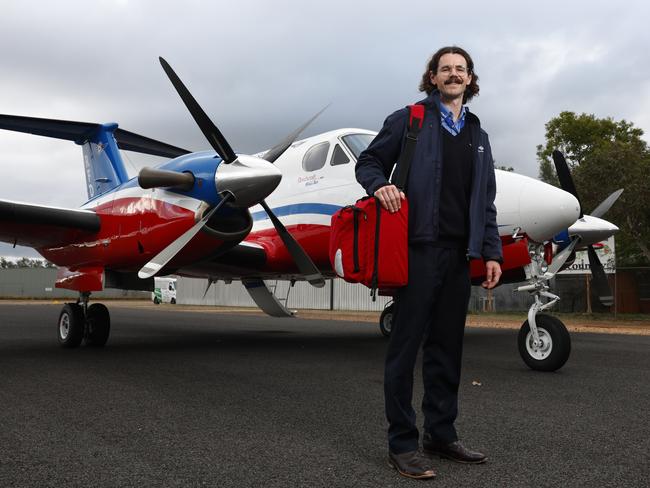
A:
{"x":416,"y":112}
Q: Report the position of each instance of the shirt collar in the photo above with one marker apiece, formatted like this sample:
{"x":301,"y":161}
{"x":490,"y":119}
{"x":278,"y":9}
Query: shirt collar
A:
{"x":447,"y":114}
{"x":447,"y":119}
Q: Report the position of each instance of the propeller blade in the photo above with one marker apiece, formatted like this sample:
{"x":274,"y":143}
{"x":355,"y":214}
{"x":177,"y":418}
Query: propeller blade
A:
{"x":606,"y":204}
{"x":160,"y":178}
{"x":210,"y":131}
{"x":207,"y":288}
{"x":276,"y":151}
{"x":167,"y":254}
{"x":564,"y":175}
{"x":304,"y":263}
{"x":561,"y":258}
{"x":599,"y":278}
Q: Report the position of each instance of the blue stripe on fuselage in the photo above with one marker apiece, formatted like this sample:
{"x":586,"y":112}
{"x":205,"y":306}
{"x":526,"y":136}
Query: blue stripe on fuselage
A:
{"x":298,"y":208}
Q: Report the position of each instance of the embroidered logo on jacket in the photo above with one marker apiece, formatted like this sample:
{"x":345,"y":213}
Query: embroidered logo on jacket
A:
{"x":480,"y":149}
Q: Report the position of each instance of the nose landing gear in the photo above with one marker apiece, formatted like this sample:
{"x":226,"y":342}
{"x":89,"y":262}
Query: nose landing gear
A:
{"x":79,"y":321}
{"x":544,"y":342}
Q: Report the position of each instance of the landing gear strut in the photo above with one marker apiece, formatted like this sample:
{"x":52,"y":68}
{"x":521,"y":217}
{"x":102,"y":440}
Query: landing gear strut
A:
{"x":544,"y":341}
{"x":79,"y":321}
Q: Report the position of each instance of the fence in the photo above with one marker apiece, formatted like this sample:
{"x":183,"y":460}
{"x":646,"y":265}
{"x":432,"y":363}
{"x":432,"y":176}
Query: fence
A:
{"x":631,"y":287}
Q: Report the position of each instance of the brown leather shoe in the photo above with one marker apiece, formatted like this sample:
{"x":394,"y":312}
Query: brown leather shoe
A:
{"x":454,"y":451}
{"x":411,"y":464}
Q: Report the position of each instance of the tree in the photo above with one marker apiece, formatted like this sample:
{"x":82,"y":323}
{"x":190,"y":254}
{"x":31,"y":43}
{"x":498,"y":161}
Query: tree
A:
{"x":6,"y":264}
{"x":32,"y":263}
{"x":605,"y":155}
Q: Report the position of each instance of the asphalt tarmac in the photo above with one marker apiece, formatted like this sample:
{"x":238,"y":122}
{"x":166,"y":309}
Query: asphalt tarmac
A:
{"x":198,"y":399}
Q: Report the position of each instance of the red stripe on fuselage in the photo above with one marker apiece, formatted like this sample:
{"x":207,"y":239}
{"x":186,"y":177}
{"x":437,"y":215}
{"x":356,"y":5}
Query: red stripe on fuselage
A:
{"x":314,"y":239}
{"x":133,"y":230}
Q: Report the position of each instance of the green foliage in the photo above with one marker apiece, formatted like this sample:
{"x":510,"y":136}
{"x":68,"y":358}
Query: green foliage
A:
{"x":25,"y":263}
{"x":6,"y":264}
{"x":605,"y":155}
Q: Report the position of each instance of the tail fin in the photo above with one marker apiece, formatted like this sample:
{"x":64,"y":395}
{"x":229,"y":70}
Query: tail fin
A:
{"x":103,"y":164}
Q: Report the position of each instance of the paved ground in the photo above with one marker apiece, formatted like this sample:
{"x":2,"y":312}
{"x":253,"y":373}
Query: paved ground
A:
{"x":183,"y":398}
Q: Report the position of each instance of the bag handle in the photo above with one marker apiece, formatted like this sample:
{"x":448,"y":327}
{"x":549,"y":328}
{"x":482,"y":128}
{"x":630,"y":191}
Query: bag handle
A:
{"x":416,"y":119}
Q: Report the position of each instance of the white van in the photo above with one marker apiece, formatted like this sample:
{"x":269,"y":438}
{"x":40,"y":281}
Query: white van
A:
{"x":164,"y":290}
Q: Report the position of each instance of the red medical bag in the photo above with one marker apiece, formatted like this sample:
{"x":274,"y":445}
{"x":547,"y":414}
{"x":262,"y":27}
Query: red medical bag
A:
{"x":368,"y":244}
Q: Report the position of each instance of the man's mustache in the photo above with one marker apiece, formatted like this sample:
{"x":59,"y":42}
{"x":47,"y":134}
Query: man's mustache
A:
{"x":454,"y":79}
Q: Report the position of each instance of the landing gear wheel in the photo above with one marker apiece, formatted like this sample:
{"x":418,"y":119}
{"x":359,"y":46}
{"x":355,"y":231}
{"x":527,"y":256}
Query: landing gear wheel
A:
{"x":555,"y":346}
{"x":386,"y":321}
{"x":98,"y":322}
{"x":173,"y":301}
{"x":156,"y":301}
{"x":71,"y":325}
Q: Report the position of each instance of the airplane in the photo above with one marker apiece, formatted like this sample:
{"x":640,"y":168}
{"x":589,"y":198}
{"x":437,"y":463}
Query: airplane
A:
{"x":206,"y":215}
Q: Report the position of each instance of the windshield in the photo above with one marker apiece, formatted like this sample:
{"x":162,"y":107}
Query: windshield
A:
{"x":357,"y":143}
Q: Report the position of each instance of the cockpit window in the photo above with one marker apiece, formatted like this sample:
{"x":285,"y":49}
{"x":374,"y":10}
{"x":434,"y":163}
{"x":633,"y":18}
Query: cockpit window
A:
{"x":339,"y":156}
{"x":357,"y":143}
{"x":315,"y":157}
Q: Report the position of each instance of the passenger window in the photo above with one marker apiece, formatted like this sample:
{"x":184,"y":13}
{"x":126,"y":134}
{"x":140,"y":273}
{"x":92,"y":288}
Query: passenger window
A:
{"x":339,"y":156}
{"x":316,"y":156}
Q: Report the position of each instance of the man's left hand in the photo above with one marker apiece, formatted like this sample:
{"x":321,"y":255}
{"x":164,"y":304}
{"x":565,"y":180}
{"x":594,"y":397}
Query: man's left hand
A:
{"x":492,"y":273}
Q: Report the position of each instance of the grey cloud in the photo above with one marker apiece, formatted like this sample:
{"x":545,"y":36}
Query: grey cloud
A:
{"x":261,"y":68}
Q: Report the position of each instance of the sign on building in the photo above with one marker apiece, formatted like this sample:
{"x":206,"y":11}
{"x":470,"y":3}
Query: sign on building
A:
{"x":606,"y":253}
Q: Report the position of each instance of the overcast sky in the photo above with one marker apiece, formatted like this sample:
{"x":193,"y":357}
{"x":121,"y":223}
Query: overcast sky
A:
{"x":260,"y":68}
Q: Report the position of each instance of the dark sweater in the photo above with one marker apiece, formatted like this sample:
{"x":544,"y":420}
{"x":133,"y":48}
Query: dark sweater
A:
{"x":455,"y":189}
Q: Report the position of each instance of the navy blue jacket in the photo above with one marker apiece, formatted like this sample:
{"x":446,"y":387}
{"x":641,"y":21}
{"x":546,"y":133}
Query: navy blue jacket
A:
{"x":375,"y":166}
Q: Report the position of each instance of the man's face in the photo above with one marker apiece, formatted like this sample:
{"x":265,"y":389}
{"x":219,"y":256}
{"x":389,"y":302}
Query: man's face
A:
{"x":452,"y":76}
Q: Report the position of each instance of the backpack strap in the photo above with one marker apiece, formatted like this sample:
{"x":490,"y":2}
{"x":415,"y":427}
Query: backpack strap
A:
{"x":416,"y":119}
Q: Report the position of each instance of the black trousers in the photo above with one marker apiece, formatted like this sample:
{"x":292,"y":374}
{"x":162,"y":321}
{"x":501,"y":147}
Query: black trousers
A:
{"x":429,"y":311}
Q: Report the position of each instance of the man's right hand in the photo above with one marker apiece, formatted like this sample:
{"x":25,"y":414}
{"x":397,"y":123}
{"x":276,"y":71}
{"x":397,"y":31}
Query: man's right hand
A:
{"x":390,"y":197}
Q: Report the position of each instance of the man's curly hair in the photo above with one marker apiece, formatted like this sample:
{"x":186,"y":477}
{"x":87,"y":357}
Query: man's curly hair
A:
{"x":432,"y":67}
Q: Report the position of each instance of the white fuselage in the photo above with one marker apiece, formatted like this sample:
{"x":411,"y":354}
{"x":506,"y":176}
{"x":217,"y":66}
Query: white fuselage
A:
{"x":524,"y":205}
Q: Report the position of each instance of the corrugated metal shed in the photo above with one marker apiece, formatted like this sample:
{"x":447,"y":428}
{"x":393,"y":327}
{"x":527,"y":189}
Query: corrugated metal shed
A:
{"x":39,"y":283}
{"x":336,"y":295}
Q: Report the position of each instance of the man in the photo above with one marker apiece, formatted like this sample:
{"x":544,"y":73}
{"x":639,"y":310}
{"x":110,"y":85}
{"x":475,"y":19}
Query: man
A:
{"x":452,"y":219}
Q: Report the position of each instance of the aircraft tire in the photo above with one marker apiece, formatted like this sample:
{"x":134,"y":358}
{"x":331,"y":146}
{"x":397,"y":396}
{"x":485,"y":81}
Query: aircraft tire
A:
{"x":556,"y":344}
{"x":173,"y":301}
{"x":386,"y":321}
{"x":70,"y":328}
{"x":156,"y":301}
{"x":98,"y":321}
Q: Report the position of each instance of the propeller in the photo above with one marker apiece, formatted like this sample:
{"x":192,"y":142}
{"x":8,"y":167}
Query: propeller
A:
{"x":305,"y":265}
{"x":207,"y":288}
{"x":564,"y":175}
{"x":210,"y":131}
{"x":598,"y":276}
{"x":599,"y":279}
{"x":276,"y":151}
{"x":561,"y":257}
{"x":163,"y":257}
{"x":606,"y":204}
{"x":300,"y":257}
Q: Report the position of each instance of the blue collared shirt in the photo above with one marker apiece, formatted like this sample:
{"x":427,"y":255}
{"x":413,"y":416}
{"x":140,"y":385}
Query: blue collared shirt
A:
{"x":447,"y":119}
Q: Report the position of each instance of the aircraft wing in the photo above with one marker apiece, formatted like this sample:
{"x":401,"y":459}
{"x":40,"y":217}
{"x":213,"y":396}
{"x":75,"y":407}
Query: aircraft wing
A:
{"x":41,"y":226}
